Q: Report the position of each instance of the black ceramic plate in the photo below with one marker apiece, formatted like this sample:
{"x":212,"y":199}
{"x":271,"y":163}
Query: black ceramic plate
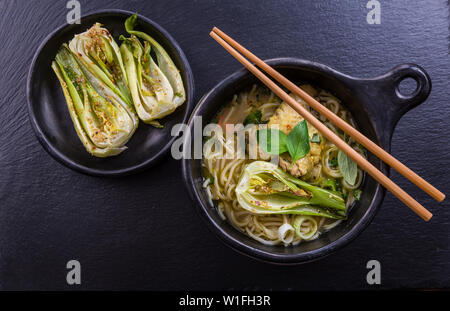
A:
{"x":51,"y":120}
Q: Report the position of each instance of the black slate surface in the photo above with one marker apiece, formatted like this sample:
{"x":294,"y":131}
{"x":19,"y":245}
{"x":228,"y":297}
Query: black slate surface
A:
{"x":141,"y":232}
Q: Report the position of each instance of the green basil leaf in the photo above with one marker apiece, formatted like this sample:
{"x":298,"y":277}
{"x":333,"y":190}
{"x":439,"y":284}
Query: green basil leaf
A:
{"x":298,"y":141}
{"x":253,"y":118}
{"x":348,"y":168}
{"x":272,"y":141}
{"x":333,"y":162}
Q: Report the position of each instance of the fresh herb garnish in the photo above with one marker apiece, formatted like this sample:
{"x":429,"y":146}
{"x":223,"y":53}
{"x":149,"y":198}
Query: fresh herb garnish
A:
{"x":357,"y":194}
{"x":272,"y":141}
{"x":254,"y":117}
{"x":345,"y":196}
{"x":297,"y":142}
{"x":316,"y":138}
{"x":328,"y":184}
{"x":333,"y":162}
{"x":215,"y":120}
{"x":348,"y":168}
{"x":338,"y":185}
{"x":179,"y":94}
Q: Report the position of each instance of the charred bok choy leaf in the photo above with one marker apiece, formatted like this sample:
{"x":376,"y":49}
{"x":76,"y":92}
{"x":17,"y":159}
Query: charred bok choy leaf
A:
{"x":156,"y":85}
{"x":100,"y":54}
{"x":264,"y":188}
{"x":103,"y":121}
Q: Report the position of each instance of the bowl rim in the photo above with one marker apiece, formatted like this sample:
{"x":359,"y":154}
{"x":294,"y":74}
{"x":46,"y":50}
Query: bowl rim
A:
{"x":256,"y":253}
{"x":67,"y":161}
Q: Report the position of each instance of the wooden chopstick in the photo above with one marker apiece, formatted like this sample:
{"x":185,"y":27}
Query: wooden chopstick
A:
{"x":347,"y":128}
{"x":330,"y":135}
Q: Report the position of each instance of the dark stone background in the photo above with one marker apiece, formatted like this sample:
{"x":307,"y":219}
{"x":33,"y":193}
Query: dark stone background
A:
{"x":141,"y":232}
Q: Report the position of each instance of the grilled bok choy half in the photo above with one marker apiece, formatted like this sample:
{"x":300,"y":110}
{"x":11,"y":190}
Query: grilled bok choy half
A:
{"x":103,"y":121}
{"x":264,"y":188}
{"x":156,"y":85}
{"x":100,"y":54}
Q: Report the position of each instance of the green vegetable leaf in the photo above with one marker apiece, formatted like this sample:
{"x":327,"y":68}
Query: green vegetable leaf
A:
{"x":215,"y":120}
{"x":103,"y":121}
{"x":272,"y":141}
{"x":264,"y":188}
{"x":357,"y":194}
{"x":333,"y":162}
{"x":165,"y":65}
{"x":155,"y":123}
{"x":316,"y":138}
{"x":338,"y":185}
{"x":130,"y":23}
{"x":345,"y":196}
{"x":97,"y":51}
{"x":156,"y":85}
{"x":253,"y":118}
{"x":298,"y":141}
{"x":329,"y":184}
{"x":348,"y":168}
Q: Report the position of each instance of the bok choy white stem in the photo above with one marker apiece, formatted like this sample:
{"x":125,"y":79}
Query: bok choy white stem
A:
{"x":103,"y":121}
{"x":156,"y":85}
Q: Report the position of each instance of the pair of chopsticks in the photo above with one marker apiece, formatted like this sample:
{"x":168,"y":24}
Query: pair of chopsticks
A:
{"x":233,"y":47}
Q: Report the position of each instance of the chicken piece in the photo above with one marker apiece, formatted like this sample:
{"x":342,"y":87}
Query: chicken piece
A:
{"x":285,"y":119}
{"x":301,"y":167}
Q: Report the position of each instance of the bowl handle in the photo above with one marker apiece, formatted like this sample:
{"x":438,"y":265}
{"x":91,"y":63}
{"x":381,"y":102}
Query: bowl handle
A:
{"x":387,"y":103}
{"x":402,"y":103}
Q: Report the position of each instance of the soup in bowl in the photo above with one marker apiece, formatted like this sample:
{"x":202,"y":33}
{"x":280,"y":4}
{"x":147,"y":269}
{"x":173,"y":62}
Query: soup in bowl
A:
{"x":288,"y":207}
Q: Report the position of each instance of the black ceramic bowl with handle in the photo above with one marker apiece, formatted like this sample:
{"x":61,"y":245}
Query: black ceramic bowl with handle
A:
{"x":50,"y":118}
{"x":376,"y":105}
